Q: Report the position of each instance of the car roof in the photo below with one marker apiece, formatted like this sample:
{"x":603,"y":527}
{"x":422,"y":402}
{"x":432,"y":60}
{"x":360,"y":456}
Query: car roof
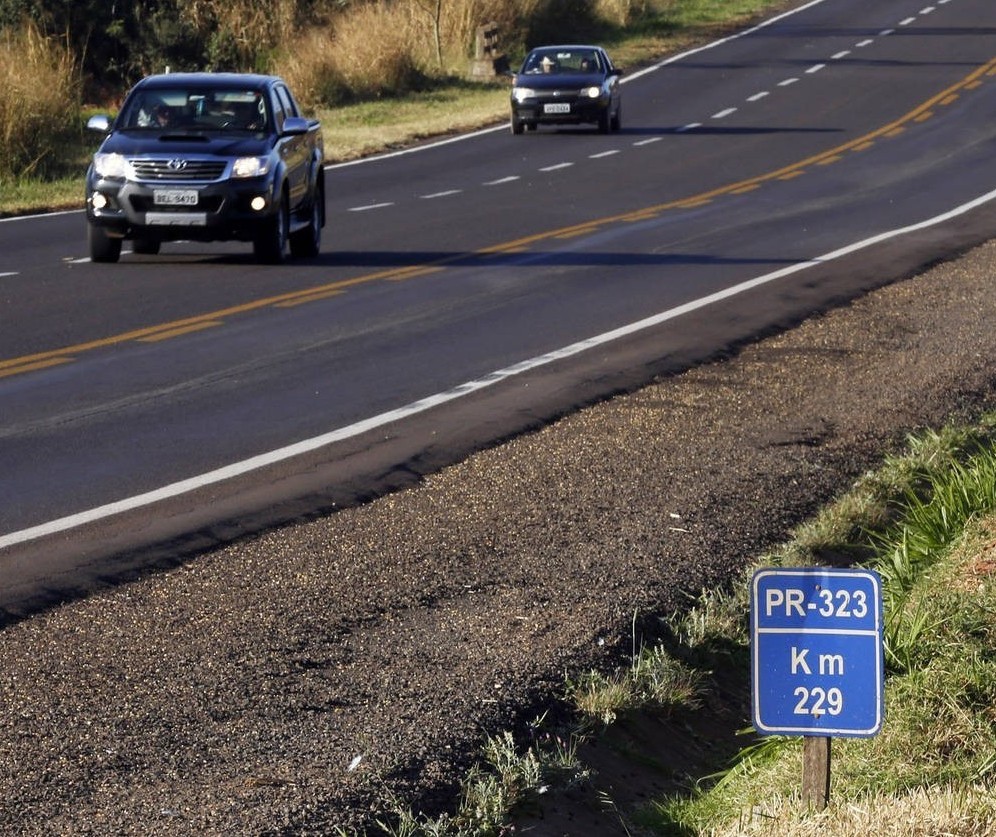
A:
{"x":250,"y":80}
{"x":573,"y":47}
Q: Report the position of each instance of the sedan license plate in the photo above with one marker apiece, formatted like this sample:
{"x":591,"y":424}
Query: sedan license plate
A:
{"x":557,"y":108}
{"x":175,"y":197}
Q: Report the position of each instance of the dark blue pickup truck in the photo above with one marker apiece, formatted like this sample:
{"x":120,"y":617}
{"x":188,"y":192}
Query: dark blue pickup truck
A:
{"x":207,"y":157}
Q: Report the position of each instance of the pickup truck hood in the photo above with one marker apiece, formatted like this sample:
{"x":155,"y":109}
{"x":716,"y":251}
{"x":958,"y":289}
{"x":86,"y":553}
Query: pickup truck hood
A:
{"x":135,"y":144}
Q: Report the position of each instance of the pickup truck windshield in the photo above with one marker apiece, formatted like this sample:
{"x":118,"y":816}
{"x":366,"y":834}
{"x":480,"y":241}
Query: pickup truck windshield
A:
{"x":193,"y":110}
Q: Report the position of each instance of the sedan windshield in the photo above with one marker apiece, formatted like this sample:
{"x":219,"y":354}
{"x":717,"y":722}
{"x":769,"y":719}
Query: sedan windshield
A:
{"x":193,"y":110}
{"x":562,"y":61}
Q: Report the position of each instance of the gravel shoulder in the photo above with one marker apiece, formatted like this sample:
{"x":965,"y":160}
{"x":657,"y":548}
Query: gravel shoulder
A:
{"x":285,"y":683}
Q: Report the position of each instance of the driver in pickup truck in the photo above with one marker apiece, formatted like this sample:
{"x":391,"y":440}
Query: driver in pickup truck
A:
{"x":162,"y":117}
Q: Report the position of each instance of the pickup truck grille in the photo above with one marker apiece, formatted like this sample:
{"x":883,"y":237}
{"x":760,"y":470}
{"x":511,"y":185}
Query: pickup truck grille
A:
{"x":178,"y":169}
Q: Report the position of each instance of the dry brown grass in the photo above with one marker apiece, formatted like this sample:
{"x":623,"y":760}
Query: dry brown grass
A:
{"x":39,"y":100}
{"x":380,"y":48}
{"x":920,"y":813}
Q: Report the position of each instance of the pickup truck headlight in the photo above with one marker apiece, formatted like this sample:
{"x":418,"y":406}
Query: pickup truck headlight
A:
{"x":520,"y":94}
{"x":592,"y":92}
{"x":250,"y":167}
{"x":110,"y":165}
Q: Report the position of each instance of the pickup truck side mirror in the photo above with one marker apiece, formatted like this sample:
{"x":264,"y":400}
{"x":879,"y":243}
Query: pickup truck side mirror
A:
{"x":294,"y":125}
{"x":99,"y":122}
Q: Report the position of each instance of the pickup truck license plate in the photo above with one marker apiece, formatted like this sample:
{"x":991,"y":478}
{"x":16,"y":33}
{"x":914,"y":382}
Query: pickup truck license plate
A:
{"x":557,"y":108}
{"x":174,"y":197}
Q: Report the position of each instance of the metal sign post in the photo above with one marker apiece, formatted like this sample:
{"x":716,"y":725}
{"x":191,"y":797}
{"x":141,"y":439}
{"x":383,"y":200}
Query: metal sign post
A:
{"x":816,"y":661}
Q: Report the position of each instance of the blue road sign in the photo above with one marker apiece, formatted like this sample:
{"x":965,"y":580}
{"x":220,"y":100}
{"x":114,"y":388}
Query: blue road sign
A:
{"x":816,"y":652}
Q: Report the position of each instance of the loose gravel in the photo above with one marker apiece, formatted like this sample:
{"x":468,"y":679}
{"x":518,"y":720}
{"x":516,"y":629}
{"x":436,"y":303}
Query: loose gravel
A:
{"x":291,"y":682}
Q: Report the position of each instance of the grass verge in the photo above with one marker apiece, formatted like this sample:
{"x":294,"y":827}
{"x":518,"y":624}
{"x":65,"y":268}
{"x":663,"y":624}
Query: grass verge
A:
{"x":926,"y":521}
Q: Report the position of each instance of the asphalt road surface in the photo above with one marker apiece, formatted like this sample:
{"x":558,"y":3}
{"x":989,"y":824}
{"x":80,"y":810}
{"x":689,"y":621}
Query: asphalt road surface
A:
{"x":472,"y":289}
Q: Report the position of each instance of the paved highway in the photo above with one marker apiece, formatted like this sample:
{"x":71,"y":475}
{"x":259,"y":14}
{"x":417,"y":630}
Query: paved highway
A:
{"x":478,"y":287}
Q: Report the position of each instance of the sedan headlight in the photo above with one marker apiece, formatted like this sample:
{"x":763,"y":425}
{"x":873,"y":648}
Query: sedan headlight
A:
{"x":520,"y":94}
{"x":110,"y":165}
{"x":250,"y":166}
{"x":592,"y":92}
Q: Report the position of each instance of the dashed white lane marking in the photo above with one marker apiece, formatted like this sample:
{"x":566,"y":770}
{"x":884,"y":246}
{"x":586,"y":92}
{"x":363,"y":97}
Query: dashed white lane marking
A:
{"x":370,"y":206}
{"x":445,"y":194}
{"x":691,"y":126}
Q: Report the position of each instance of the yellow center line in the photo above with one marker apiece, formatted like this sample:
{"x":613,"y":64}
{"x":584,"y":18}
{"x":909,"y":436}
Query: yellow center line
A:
{"x":413,"y":272}
{"x":312,"y":298}
{"x":9,"y":368}
{"x":40,"y":360}
{"x":177,"y":332}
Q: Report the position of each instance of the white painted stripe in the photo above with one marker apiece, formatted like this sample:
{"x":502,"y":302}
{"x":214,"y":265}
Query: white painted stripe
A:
{"x":907,"y":22}
{"x":557,"y":167}
{"x":886,"y":32}
{"x":787,"y":82}
{"x":842,"y":54}
{"x":10,"y":273}
{"x":501,"y":180}
{"x":867,"y":41}
{"x":603,"y":154}
{"x":445,"y":194}
{"x":647,"y":141}
{"x":815,"y":68}
{"x":758,"y":96}
{"x":15,"y":218}
{"x":691,"y":126}
{"x":724,"y":113}
{"x":309,"y":445}
{"x":370,"y":206}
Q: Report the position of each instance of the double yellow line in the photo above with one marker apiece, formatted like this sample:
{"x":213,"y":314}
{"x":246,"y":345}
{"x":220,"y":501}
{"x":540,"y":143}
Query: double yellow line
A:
{"x":166,"y":331}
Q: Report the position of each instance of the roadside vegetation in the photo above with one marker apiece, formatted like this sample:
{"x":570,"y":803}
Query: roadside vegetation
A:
{"x":379,"y":75}
{"x":926,"y":522}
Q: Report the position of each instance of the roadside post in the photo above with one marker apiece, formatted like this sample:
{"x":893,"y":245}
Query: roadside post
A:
{"x":817,"y":662}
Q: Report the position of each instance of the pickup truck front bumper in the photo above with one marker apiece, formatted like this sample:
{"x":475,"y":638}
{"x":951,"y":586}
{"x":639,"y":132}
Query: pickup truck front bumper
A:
{"x":167,"y":211}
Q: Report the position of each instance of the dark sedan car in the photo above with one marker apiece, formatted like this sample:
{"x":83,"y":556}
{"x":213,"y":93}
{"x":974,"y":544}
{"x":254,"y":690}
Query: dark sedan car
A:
{"x":567,"y":85}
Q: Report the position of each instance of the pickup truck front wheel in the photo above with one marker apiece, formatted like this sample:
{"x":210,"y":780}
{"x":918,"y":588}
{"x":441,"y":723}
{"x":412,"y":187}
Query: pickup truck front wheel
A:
{"x":270,"y":245}
{"x":103,"y":248}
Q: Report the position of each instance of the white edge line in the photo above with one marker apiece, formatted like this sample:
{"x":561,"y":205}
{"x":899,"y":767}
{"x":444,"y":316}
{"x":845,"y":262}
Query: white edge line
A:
{"x":308,"y":445}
